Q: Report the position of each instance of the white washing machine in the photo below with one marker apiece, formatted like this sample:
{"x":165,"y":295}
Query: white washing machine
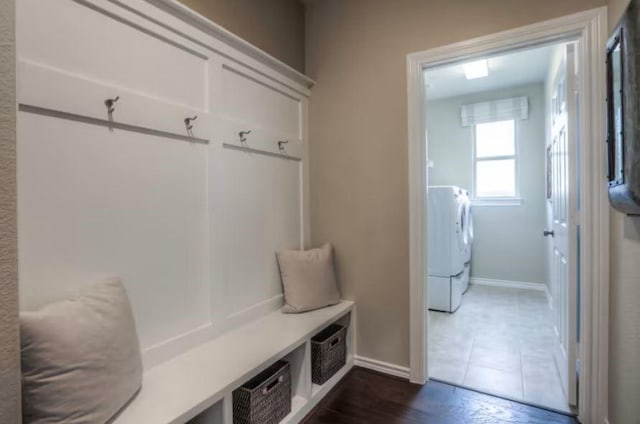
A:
{"x":449,"y":246}
{"x":467,"y":225}
{"x":447,"y":240}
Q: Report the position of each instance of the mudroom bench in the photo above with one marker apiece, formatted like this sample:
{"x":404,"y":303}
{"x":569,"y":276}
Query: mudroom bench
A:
{"x":196,"y":386}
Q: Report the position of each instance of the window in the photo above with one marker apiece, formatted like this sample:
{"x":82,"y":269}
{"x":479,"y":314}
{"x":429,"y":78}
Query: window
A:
{"x":495,"y":160}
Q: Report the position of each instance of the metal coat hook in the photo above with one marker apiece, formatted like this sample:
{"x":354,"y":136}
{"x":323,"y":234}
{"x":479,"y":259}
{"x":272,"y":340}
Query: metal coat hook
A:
{"x":281,"y":144}
{"x":110,"y":109}
{"x":109,"y":104}
{"x":243,"y":135}
{"x":187,"y":122}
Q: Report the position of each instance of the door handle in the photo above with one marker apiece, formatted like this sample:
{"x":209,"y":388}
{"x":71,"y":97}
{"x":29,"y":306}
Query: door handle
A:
{"x":548,"y":233}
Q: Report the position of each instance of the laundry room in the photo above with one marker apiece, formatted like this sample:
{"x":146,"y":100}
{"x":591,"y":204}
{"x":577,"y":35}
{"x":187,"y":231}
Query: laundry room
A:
{"x":493,"y":167}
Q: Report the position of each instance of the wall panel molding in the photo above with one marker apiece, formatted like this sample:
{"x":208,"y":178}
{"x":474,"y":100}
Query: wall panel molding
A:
{"x":190,"y":227}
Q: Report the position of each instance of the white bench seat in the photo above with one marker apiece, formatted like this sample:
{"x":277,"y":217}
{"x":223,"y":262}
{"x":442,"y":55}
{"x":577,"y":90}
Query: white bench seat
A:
{"x":184,"y":386}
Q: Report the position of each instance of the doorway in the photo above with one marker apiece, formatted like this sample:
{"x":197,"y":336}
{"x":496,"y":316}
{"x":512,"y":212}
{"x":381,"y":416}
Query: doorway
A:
{"x":501,"y":313}
{"x":586,"y":29}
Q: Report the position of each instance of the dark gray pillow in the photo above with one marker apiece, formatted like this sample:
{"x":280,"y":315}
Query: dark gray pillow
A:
{"x":81,"y":358}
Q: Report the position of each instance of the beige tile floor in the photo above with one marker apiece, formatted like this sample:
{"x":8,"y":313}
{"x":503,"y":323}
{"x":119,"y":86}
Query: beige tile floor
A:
{"x":499,"y":341}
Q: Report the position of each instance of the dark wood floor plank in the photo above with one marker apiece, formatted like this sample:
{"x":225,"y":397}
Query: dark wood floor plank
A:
{"x":367,"y":397}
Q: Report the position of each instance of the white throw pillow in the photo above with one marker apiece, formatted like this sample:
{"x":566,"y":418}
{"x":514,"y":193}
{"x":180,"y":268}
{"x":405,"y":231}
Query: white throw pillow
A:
{"x":308,"y":279}
{"x":81,"y":358}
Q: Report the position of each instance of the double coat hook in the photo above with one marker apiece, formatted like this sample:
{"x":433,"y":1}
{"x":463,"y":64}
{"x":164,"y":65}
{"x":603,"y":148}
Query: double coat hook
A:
{"x":188,"y":124}
{"x":109,"y":104}
{"x":243,"y":134}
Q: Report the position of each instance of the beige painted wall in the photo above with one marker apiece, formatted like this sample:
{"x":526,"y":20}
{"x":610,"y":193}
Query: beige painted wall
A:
{"x":9,"y":343}
{"x":616,"y":7}
{"x":356,"y":51}
{"x":624,"y":337}
{"x":503,"y":248}
{"x":275,"y":26}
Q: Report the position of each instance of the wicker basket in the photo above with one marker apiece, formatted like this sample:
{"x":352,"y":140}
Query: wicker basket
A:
{"x":266,"y":398}
{"x":328,"y":353}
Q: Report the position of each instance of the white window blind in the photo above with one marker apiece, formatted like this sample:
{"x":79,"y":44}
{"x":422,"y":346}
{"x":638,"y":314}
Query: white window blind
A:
{"x":495,"y":110}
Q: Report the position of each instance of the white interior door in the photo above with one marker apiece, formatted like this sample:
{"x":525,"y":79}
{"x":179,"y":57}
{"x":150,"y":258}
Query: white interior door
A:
{"x":564,"y":218}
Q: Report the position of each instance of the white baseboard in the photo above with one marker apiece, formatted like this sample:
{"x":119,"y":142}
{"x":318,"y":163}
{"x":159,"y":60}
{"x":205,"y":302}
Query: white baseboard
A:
{"x":549,"y":298}
{"x":525,"y":285}
{"x":383,"y":367}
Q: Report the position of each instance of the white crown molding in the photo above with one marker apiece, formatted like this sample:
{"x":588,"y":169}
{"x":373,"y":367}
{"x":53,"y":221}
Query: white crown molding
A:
{"x":202,"y":23}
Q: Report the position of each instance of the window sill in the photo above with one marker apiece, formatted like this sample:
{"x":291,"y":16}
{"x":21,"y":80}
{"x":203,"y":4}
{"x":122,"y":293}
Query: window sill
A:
{"x":509,"y":201}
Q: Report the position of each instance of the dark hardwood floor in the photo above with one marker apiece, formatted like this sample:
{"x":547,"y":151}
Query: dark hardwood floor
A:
{"x":367,"y":397}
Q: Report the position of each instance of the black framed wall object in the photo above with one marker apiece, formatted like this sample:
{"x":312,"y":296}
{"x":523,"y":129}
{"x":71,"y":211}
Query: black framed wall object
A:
{"x":623,"y":106}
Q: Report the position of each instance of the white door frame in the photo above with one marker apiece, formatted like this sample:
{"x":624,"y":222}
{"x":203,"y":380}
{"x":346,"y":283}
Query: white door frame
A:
{"x":590,"y":28}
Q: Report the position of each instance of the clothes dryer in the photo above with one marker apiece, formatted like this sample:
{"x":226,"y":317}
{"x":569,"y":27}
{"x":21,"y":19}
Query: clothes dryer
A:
{"x":448,"y":247}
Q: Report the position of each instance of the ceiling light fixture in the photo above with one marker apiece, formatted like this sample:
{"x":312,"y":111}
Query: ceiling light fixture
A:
{"x":477,"y":69}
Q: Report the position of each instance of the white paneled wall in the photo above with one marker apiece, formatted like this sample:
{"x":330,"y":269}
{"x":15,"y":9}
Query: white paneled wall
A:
{"x":277,"y":110}
{"x":192,"y":227}
{"x":257,"y":209}
{"x":94,"y":202}
{"x":77,"y":39}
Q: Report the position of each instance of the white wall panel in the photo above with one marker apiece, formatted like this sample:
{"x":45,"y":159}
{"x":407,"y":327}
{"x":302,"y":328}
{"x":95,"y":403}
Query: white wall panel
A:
{"x":68,"y":35}
{"x":259,"y":211}
{"x":251,"y":100}
{"x":94,"y":202}
{"x":63,"y":91}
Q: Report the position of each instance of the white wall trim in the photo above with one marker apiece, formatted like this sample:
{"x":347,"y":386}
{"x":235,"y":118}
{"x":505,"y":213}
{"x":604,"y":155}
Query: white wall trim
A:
{"x":417,"y":149}
{"x":254,"y":312}
{"x":383,"y":367}
{"x":549,"y":297}
{"x":524,"y":285}
{"x":166,"y":349}
{"x":160,"y":352}
{"x":590,"y":28}
{"x":174,"y":20}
